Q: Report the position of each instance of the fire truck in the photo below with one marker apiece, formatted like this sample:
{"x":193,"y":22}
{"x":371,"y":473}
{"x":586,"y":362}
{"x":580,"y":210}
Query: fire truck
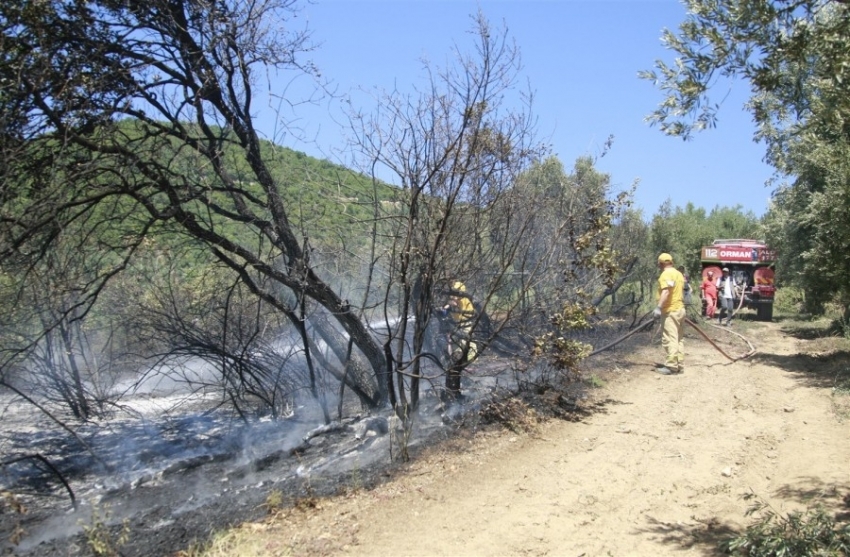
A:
{"x":751,"y":264}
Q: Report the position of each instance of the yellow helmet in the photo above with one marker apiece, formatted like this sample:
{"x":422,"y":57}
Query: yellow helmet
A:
{"x":665,"y":258}
{"x":459,"y":286}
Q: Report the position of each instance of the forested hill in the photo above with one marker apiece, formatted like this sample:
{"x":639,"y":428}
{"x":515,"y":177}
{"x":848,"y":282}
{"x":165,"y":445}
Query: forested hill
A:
{"x":324,"y":201}
{"x":321,"y":195}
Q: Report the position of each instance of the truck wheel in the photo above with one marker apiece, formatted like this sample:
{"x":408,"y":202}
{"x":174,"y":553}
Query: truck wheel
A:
{"x":765,"y":312}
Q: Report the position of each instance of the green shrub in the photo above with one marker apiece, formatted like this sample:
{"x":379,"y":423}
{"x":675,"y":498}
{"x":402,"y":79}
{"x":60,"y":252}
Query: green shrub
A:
{"x":789,"y":300}
{"x":102,"y":539}
{"x":812,"y":533}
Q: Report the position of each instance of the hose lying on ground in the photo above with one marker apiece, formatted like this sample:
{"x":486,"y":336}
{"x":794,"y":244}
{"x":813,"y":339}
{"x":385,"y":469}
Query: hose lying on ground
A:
{"x":647,"y":324}
{"x":739,"y":335}
{"x":636,"y":330}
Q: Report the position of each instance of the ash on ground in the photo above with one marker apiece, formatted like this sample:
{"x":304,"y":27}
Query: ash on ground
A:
{"x":169,"y":470}
{"x":171,"y":478}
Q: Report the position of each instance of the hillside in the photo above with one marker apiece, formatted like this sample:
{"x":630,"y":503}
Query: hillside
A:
{"x":321,"y":195}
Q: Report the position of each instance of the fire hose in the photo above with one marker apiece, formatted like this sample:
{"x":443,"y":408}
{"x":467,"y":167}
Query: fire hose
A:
{"x":647,"y":324}
{"x":634,"y":331}
{"x":740,"y":303}
{"x":742,"y":337}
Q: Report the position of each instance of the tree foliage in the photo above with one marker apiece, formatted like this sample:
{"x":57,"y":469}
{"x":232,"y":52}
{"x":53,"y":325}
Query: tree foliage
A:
{"x":587,"y":263}
{"x":795,"y":56}
{"x":682,"y":232}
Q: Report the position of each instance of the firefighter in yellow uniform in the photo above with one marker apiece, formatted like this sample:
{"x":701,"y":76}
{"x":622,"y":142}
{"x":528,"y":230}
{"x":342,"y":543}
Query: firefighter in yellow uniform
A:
{"x":671,"y":310}
{"x":462,"y":312}
{"x":461,"y":347}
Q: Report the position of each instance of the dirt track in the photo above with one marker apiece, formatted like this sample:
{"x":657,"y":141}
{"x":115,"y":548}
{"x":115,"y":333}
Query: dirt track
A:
{"x":658,"y":466}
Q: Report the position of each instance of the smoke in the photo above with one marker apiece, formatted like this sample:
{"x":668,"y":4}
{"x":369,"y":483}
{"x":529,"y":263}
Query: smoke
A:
{"x":174,"y":447}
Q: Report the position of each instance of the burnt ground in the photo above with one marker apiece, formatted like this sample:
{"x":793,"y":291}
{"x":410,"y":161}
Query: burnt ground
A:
{"x":168,"y":479}
{"x":182,"y":478}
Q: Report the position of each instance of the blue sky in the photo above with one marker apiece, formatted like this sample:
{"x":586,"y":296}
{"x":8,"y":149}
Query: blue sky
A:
{"x":580,"y":57}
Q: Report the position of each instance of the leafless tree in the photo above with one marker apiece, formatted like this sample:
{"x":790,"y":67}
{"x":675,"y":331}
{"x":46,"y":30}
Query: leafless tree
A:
{"x":463,"y":151}
{"x":123,"y":123}
{"x":73,"y":362}
{"x":129,"y":120}
{"x":202,"y":328}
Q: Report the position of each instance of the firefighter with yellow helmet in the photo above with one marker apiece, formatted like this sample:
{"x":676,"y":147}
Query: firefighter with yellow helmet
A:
{"x":462,"y":313}
{"x":671,"y":310}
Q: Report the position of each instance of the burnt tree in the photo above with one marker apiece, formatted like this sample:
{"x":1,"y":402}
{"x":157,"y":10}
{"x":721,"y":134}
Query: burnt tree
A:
{"x":121,"y":120}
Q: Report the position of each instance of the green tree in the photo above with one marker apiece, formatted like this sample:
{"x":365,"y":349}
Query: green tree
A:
{"x":571,"y":264}
{"x":795,"y":56}
{"x":682,"y":232}
{"x":630,"y":237}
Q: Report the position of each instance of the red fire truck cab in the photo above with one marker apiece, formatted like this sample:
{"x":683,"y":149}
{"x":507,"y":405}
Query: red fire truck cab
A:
{"x":751,"y":264}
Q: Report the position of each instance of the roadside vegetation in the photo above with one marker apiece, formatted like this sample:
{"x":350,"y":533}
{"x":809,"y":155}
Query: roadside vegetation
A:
{"x":811,"y":532}
{"x":816,"y":530}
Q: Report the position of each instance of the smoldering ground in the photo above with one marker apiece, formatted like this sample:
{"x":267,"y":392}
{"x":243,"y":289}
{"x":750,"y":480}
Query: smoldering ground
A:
{"x":173,"y":465}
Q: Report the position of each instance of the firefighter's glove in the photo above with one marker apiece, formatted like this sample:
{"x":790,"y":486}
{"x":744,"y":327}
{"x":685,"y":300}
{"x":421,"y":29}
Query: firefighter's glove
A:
{"x":656,"y":313}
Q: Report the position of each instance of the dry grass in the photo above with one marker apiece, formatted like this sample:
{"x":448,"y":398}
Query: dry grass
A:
{"x":511,"y":413}
{"x":248,"y":539}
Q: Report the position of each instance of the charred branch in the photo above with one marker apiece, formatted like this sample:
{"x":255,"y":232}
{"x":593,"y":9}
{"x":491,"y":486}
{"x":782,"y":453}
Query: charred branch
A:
{"x":49,"y":465}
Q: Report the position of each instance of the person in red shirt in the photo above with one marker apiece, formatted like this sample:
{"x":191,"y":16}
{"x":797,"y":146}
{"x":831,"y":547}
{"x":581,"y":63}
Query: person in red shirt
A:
{"x":709,"y":294}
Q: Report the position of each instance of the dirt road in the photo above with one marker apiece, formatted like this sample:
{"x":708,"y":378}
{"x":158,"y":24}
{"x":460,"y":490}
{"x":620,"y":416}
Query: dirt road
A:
{"x":658,"y":466}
